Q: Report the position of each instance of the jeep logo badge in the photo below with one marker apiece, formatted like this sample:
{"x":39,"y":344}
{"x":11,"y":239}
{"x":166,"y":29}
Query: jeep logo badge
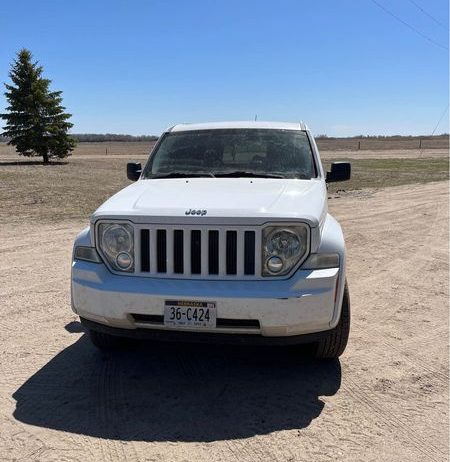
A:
{"x":196,"y":212}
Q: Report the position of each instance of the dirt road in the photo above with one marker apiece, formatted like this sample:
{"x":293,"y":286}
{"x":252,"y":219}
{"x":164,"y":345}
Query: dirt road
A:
{"x":385,"y":400}
{"x":386,"y":154}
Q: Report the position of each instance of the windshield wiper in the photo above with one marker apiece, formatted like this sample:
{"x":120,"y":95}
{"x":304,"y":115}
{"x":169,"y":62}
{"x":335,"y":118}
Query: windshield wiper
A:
{"x":182,"y":175}
{"x":243,"y":174}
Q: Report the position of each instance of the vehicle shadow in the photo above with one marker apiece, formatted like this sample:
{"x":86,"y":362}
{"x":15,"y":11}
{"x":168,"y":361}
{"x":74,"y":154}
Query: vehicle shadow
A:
{"x":164,"y":392}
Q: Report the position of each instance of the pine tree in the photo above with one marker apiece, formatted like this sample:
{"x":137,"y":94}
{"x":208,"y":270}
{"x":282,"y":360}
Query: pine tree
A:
{"x":35,"y":122}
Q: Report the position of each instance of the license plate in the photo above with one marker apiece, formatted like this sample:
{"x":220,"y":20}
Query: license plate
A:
{"x":187,"y":313}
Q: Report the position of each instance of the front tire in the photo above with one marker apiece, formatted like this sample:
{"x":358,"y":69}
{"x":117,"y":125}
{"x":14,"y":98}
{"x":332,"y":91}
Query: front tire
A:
{"x":333,"y":345}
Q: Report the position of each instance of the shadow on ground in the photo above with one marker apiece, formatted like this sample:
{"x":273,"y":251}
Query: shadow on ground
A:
{"x":164,"y":392}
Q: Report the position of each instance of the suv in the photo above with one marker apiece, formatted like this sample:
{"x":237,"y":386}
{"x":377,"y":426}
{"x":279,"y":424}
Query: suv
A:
{"x":224,"y":237}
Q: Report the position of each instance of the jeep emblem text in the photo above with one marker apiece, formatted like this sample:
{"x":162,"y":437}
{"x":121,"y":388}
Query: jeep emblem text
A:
{"x":196,"y":212}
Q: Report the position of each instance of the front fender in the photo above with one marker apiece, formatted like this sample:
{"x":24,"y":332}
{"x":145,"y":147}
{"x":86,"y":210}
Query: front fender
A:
{"x":332,"y":241}
{"x":83,"y":238}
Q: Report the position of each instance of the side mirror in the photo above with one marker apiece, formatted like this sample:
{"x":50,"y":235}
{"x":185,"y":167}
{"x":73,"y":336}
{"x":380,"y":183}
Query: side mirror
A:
{"x":134,"y":171}
{"x":340,"y":171}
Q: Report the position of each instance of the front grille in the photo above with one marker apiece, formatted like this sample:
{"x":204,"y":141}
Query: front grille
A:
{"x":197,"y":252}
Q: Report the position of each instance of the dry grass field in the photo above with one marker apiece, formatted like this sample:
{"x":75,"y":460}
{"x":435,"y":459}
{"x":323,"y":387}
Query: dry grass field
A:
{"x":385,"y":400}
{"x":114,"y":148}
{"x":74,"y":188}
{"x":388,"y":144}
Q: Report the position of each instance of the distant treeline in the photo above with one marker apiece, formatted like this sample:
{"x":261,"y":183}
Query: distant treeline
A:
{"x":99,"y":138}
{"x":442,"y":136}
{"x":96,"y":138}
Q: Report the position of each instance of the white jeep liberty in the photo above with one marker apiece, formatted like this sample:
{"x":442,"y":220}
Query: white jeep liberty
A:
{"x":224,"y":237}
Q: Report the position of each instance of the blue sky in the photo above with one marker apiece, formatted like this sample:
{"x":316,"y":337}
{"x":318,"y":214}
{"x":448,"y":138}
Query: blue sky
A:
{"x":345,"y":67}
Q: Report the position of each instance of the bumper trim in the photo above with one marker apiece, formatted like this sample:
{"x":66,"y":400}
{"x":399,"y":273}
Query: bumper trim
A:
{"x":203,"y":337}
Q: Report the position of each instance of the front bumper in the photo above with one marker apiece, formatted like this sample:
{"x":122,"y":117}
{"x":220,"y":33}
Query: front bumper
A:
{"x":166,"y":335}
{"x":306,"y":303}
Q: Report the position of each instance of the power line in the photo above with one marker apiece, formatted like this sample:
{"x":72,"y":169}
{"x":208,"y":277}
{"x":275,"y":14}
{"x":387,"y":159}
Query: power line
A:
{"x":428,"y":14}
{"x":442,"y":116}
{"x":435,"y":128}
{"x":390,"y":13}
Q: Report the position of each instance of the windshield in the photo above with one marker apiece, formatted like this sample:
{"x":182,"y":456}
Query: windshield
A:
{"x":234,"y":153}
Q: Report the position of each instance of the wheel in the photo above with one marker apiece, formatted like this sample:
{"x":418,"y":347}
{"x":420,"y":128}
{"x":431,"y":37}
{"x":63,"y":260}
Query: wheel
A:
{"x":333,"y":345}
{"x":105,"y":341}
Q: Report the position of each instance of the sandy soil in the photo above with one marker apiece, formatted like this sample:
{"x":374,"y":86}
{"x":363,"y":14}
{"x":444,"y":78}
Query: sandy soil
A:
{"x":385,"y":400}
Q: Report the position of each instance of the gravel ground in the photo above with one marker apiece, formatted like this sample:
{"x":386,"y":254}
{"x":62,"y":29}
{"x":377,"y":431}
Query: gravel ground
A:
{"x":386,"y":399}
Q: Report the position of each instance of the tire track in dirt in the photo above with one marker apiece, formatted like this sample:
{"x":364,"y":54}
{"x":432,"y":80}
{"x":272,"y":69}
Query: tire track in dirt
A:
{"x":365,"y":396}
{"x":431,"y":215}
{"x":194,"y":369}
{"x":106,"y":396}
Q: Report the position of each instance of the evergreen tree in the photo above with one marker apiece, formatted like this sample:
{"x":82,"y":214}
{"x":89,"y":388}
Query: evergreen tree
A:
{"x":35,"y":122}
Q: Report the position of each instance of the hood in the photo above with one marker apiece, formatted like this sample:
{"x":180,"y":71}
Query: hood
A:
{"x":233,"y":198}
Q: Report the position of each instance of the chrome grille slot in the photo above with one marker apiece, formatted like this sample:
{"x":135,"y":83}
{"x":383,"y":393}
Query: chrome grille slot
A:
{"x":178,"y":260}
{"x":161,"y":252}
{"x":249,"y":252}
{"x":197,"y":252}
{"x":231,"y":252}
{"x":213,"y":252}
{"x":145,"y":250}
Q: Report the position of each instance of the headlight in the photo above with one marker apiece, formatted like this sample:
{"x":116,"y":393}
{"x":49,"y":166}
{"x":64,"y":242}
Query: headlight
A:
{"x":116,"y":242}
{"x":283,"y":248}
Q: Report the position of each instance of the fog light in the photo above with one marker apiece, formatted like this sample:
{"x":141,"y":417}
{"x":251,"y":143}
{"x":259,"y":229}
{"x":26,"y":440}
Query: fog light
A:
{"x":123,"y":260}
{"x":275,"y":264}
